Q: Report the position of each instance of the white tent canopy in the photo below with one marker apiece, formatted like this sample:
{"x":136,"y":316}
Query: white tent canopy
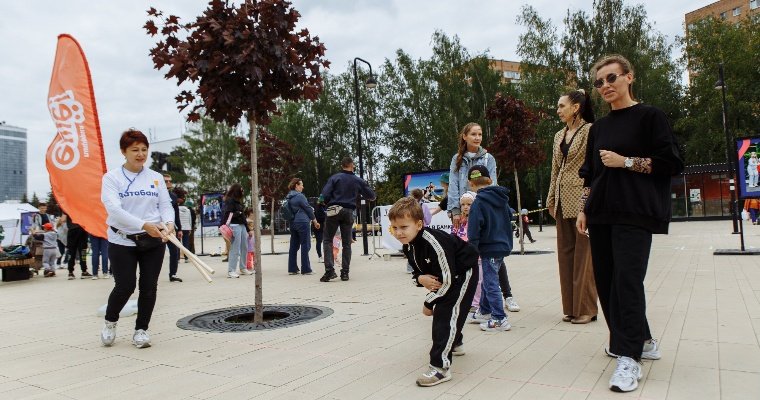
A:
{"x":10,"y":219}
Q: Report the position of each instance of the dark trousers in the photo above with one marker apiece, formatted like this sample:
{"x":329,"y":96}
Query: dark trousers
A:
{"x":449,"y":316}
{"x":64,"y":253}
{"x":318,"y":234}
{"x":99,"y":254}
{"x":186,"y":241}
{"x":300,"y":237}
{"x":576,"y":272}
{"x":173,"y":258}
{"x":345,"y":221}
{"x":506,"y":290}
{"x":76,"y":242}
{"x":620,"y":254}
{"x":125,"y":260}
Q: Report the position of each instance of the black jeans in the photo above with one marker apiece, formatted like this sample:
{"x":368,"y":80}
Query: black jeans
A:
{"x":345,"y":221}
{"x":124,"y":263}
{"x":173,"y":258}
{"x":318,"y":233}
{"x":77,"y":246}
{"x":620,"y":254}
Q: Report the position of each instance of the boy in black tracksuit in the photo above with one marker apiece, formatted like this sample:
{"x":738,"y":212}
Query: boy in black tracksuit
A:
{"x":443,"y":264}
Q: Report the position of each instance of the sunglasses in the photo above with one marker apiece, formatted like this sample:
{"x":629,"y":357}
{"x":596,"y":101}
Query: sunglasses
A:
{"x":610,"y":78}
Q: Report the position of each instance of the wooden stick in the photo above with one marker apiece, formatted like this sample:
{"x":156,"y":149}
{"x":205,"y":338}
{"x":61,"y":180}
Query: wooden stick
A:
{"x":197,"y":263}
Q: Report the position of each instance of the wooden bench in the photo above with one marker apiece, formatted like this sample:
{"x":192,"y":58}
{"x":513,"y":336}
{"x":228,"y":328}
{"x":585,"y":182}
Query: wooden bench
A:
{"x":16,"y":270}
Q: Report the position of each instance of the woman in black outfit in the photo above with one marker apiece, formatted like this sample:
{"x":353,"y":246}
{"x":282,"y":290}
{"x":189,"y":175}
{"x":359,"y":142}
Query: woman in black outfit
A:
{"x":630,"y":157}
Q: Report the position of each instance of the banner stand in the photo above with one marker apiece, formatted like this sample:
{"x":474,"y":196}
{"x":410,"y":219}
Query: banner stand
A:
{"x":211,"y":213}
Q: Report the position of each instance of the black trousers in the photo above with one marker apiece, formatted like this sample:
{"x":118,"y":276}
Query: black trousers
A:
{"x":318,"y":235}
{"x":76,"y":243}
{"x":620,"y":254}
{"x":173,"y":258}
{"x":449,"y":316}
{"x":345,"y":221}
{"x":125,"y":261}
{"x":506,"y":290}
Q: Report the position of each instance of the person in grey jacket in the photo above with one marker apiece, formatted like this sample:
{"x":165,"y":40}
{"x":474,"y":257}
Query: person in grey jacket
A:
{"x":49,"y":238}
{"x":468,"y":154}
{"x":300,"y":232}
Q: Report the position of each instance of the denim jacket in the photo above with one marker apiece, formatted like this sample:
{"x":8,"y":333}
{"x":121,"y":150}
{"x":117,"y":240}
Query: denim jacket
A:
{"x":458,"y":180}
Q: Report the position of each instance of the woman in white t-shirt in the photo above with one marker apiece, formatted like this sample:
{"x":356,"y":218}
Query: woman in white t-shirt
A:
{"x":140,"y":216}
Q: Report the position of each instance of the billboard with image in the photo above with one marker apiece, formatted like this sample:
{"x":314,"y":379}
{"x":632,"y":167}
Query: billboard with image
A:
{"x":428,"y":181}
{"x":748,"y":166}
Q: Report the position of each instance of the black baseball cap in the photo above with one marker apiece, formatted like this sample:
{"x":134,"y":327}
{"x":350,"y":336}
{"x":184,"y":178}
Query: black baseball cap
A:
{"x":477,"y":171}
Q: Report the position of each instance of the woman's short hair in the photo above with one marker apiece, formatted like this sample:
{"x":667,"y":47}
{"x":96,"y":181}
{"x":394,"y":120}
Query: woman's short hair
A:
{"x":293,"y":183}
{"x":406,"y":207}
{"x":132,"y":136}
{"x":625,"y":65}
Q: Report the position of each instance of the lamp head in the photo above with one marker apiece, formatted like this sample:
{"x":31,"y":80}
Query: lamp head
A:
{"x":719,"y":84}
{"x":371,"y":82}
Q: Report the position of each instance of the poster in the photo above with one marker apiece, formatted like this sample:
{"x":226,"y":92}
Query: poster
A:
{"x":440,"y":221}
{"x":27,"y":220}
{"x":211,"y":209}
{"x":428,"y":181}
{"x":748,"y":166}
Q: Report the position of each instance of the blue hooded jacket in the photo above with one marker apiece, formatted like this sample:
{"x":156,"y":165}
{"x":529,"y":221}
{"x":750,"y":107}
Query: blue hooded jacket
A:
{"x":489,"y":225}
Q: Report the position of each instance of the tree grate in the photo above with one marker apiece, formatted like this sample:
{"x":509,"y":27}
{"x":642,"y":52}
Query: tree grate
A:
{"x":235,"y":319}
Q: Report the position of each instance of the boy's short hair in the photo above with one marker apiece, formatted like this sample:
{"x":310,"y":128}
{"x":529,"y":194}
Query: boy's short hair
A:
{"x":417,"y":194}
{"x":406,"y":207}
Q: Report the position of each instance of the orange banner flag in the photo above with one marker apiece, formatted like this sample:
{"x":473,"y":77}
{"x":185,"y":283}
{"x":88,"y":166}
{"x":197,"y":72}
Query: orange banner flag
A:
{"x":75,"y":160}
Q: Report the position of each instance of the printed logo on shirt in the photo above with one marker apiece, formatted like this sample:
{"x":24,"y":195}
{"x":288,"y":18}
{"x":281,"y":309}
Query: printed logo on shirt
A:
{"x":154,"y":185}
{"x":139,"y":193}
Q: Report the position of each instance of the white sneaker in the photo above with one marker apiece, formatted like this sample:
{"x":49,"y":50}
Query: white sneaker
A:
{"x":321,"y":259}
{"x":626,"y":376}
{"x":651,"y":350}
{"x":511,"y":304}
{"x":476,"y":317}
{"x":433,"y":377}
{"x":141,"y":339}
{"x":458,"y":350}
{"x":232,"y":275}
{"x":246,"y":272}
{"x":493,"y":325}
{"x":108,"y":333}
{"x":94,"y":277}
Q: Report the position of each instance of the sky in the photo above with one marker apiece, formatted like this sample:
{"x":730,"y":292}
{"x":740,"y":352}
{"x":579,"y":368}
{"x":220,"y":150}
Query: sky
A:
{"x":130,"y":93}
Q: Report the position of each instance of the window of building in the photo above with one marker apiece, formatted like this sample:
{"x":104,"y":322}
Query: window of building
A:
{"x":737,"y":11}
{"x":723,"y":15}
{"x":753,"y":4}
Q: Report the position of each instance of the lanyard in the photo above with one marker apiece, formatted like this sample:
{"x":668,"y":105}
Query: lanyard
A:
{"x":131,"y":181}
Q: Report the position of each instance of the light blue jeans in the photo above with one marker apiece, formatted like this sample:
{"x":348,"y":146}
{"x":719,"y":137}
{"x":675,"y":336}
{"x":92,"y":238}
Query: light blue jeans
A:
{"x":491,"y":301}
{"x":238,"y":248}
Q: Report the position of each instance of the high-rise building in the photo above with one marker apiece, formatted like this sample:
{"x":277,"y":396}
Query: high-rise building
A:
{"x":12,"y":162}
{"x":509,"y":70}
{"x":727,"y":10}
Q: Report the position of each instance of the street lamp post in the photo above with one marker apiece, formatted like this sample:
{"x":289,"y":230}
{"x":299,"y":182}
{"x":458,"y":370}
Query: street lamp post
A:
{"x":721,"y":85}
{"x":370,"y":84}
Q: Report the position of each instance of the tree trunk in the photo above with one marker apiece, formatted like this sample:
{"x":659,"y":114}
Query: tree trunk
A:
{"x":271,"y":226}
{"x":519,"y":217}
{"x":258,"y":316}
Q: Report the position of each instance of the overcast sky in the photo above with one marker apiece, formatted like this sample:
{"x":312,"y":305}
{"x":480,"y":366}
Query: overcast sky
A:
{"x":130,"y":93}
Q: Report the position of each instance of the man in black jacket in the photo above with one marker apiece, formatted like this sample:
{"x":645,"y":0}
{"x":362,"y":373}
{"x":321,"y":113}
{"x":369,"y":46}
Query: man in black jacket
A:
{"x":446,"y":266}
{"x":340,"y":194}
{"x":173,"y":250}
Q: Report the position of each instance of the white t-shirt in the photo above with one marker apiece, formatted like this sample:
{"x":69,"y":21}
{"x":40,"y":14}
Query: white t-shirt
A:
{"x":132,"y":199}
{"x":185,"y":218}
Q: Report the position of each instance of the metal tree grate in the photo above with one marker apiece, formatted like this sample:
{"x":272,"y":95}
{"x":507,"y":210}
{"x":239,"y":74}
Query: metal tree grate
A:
{"x":276,"y":317}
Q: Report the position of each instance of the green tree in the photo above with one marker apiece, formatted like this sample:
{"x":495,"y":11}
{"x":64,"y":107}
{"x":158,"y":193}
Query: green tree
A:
{"x":709,"y":43}
{"x":24,"y":198}
{"x":53,"y":207}
{"x":211,"y":158}
{"x":35,"y":200}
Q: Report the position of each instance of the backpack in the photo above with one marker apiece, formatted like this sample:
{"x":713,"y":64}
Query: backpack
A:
{"x":286,"y":213}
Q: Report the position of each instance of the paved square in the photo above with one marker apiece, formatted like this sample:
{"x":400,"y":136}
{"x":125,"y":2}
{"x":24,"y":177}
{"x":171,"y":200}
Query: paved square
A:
{"x":704,"y":308}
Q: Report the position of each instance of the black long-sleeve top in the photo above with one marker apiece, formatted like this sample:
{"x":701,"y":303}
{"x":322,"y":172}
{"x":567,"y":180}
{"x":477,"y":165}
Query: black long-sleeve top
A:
{"x":623,"y":196}
{"x":441,"y":254}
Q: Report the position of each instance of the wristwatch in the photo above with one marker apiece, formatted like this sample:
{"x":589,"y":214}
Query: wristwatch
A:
{"x":628,"y":163}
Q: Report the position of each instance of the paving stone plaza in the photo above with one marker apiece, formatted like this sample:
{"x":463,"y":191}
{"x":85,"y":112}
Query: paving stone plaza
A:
{"x":704,"y":309}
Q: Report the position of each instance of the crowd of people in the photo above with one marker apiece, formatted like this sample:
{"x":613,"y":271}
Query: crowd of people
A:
{"x":609,"y":193}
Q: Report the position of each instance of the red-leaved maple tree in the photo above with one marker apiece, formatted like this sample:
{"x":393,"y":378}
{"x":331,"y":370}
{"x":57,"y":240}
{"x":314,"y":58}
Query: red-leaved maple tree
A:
{"x":515,"y":144}
{"x":242,"y":59}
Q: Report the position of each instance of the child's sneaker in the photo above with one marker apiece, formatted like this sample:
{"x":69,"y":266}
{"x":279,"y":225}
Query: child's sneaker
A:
{"x":108,"y":334}
{"x":493,"y":325}
{"x":86,"y":275}
{"x":458,"y":350}
{"x":476,"y":317}
{"x":626,"y":376}
{"x":511,"y":304}
{"x":651,"y":350}
{"x":94,"y":277}
{"x":71,"y":276}
{"x":141,"y":339}
{"x":433,"y":377}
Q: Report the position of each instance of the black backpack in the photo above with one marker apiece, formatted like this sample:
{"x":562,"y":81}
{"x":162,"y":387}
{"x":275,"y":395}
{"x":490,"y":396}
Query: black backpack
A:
{"x":286,"y":213}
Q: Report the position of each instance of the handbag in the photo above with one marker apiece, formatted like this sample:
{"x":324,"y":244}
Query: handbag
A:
{"x":333,"y":210}
{"x":226,"y":231}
